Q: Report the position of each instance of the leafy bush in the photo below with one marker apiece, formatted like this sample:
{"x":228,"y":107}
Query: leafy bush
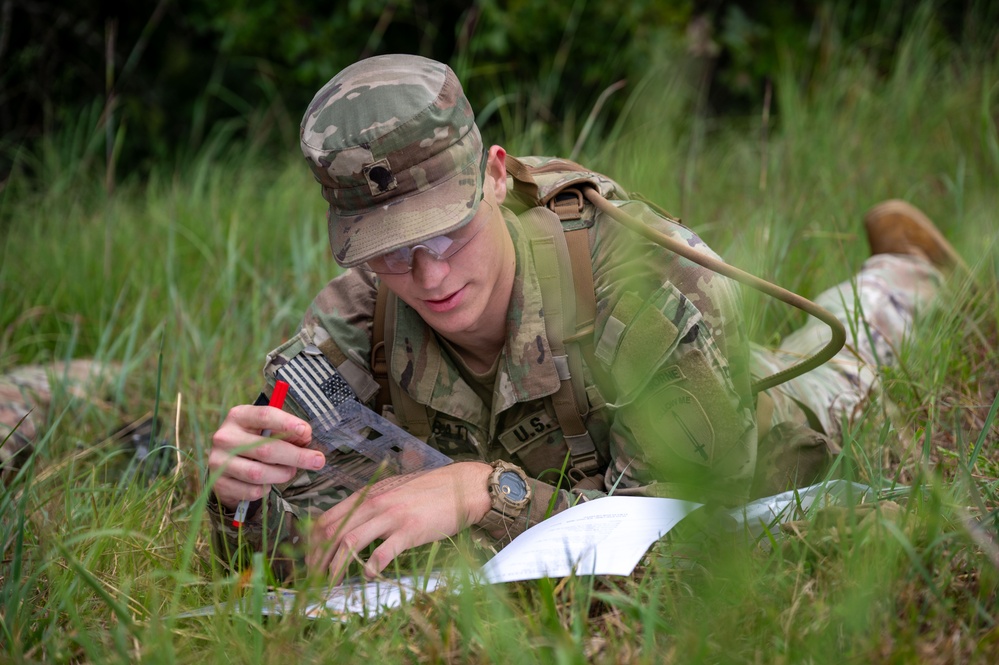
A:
{"x":170,"y":74}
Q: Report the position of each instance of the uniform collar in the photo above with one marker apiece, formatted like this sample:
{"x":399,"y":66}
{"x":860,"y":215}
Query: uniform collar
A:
{"x":526,"y":370}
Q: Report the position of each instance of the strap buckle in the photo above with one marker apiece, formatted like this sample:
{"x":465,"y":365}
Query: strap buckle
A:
{"x":582,"y":452}
{"x":567,"y":204}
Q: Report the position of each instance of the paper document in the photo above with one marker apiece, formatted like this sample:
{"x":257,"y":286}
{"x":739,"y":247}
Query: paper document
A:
{"x":757,"y":515}
{"x":607,"y":536}
{"x":367,"y":599}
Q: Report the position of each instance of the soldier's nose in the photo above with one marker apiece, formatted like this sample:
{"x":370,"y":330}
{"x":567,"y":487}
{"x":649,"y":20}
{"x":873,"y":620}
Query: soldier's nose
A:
{"x":427,"y":271}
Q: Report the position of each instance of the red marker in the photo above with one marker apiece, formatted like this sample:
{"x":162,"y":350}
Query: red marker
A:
{"x":277,"y":401}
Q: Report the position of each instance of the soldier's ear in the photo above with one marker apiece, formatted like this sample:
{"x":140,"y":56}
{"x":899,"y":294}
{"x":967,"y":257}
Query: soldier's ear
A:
{"x":496,"y":171}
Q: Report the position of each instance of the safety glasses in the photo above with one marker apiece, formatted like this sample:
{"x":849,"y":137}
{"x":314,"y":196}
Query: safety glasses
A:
{"x":442,"y":247}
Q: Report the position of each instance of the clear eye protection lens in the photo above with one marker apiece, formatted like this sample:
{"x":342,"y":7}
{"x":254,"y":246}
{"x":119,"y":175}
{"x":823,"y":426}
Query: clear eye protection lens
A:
{"x":440,"y":248}
{"x":394,"y":263}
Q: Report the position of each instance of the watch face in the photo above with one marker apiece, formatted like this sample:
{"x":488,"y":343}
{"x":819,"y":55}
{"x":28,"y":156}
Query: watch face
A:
{"x":513,"y":486}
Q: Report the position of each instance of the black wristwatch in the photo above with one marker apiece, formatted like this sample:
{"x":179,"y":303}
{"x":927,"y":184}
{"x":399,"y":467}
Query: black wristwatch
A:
{"x":509,"y":493}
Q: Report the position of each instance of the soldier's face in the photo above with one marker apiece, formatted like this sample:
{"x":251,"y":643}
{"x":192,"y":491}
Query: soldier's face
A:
{"x":468,"y":293}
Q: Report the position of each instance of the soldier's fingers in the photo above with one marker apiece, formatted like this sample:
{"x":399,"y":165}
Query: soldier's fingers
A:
{"x":322,"y":547}
{"x":350,"y":514}
{"x":384,"y":554}
{"x":253,"y":472}
{"x":330,"y":529}
{"x":319,"y":556}
{"x":337,"y":567}
{"x":282,"y":453}
{"x":232,"y":443}
{"x":353,"y":542}
{"x":328,"y":524}
{"x":230,"y":491}
{"x":322,"y":554}
{"x":259,"y":418}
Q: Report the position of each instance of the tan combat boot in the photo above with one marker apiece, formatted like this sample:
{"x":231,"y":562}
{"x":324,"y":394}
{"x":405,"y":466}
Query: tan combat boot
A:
{"x":897,"y":227}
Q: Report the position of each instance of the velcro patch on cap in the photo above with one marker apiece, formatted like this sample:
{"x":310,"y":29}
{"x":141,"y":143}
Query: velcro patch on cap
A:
{"x":380,"y":177}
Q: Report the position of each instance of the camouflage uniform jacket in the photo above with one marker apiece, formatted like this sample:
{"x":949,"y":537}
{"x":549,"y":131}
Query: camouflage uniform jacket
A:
{"x":672,"y":413}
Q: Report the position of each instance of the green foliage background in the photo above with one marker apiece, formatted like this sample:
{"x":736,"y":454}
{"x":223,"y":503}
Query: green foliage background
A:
{"x":161,"y":77}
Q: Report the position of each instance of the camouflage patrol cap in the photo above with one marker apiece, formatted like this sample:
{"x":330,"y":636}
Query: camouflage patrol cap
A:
{"x":393,"y":142}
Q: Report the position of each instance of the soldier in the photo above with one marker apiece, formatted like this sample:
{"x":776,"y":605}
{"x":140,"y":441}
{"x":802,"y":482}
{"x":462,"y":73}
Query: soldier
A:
{"x":26,"y":398}
{"x":476,"y":366}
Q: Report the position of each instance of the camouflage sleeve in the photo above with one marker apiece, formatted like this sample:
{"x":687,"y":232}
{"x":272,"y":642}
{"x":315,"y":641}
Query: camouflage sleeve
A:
{"x":273,"y":529}
{"x":671,"y":344}
{"x":338,"y":322}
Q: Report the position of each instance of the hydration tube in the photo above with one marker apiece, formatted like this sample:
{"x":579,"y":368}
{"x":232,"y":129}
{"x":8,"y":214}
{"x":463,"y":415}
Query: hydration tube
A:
{"x":823,"y":355}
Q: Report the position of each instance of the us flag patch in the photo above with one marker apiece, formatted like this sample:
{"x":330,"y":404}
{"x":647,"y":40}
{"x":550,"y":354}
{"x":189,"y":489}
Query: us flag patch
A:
{"x":316,"y":386}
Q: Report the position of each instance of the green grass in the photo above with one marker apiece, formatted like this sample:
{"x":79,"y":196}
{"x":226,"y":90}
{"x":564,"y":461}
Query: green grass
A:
{"x":212,"y":264}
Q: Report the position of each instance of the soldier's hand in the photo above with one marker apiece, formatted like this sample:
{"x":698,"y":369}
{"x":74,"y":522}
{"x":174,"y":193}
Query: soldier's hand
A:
{"x":250,"y":463}
{"x":432,"y":505}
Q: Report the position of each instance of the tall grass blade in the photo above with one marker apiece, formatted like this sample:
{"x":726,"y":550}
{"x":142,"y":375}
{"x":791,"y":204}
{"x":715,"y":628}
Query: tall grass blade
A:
{"x":984,"y":434}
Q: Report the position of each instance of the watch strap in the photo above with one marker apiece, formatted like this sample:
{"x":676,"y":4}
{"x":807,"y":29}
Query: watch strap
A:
{"x":503,"y":514}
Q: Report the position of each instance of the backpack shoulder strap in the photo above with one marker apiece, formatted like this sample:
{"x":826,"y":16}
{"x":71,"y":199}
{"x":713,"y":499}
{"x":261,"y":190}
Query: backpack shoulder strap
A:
{"x":578,"y":243}
{"x":379,"y":356}
{"x":558,"y":185}
{"x":549,"y":191}
{"x":411,"y":415}
{"x":558,"y":295}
